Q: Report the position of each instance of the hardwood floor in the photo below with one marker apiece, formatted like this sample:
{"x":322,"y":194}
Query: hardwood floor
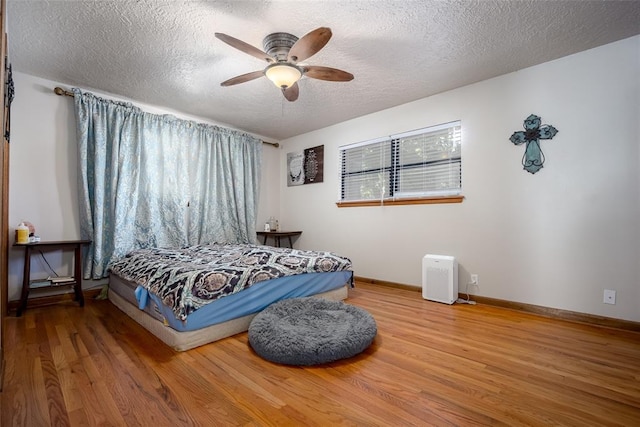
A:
{"x":430,"y":364}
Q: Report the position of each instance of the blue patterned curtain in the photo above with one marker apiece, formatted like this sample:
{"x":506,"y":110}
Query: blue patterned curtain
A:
{"x":156,"y":181}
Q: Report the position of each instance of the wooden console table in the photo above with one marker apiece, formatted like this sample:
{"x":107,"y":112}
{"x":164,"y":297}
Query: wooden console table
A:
{"x":76,"y":280}
{"x":277,"y":235}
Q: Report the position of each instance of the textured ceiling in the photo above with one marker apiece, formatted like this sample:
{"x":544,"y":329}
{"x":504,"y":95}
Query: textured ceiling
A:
{"x":164,"y":52}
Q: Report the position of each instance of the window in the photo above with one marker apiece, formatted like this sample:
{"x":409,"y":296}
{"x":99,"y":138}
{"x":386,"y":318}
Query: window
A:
{"x":422,"y":166}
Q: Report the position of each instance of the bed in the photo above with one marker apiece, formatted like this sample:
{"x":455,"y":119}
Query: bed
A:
{"x":192,"y":296}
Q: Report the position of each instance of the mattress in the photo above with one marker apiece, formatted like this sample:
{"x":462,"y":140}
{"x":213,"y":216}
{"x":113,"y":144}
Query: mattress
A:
{"x":187,"y":279}
{"x":224,"y":317}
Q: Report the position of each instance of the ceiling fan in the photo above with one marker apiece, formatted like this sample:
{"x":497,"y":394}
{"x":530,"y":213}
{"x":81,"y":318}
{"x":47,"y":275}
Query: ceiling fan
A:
{"x":283,"y":52}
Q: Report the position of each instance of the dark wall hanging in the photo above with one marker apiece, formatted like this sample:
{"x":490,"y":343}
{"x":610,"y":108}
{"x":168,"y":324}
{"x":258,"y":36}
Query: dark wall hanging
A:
{"x":533,"y":157}
{"x":9,"y":93}
{"x":305,"y":167}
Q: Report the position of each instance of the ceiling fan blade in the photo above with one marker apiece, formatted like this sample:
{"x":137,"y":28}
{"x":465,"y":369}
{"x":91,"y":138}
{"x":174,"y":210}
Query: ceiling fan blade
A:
{"x":309,"y":44}
{"x":291,"y":93}
{"x":245,"y":47}
{"x":242,"y":78}
{"x":326,"y":73}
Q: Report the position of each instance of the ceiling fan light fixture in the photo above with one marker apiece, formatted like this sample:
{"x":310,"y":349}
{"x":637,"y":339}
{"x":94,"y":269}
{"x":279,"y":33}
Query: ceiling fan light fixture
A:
{"x":283,"y":75}
{"x":283,"y":52}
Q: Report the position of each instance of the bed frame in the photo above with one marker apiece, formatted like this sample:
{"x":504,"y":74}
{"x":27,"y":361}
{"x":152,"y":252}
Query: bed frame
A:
{"x":181,"y":341}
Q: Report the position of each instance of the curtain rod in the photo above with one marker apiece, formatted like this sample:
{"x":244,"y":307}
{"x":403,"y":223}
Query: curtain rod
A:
{"x":62,"y":92}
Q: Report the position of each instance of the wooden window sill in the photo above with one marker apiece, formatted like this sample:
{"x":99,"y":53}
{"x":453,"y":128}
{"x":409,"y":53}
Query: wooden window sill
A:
{"x":408,"y":201}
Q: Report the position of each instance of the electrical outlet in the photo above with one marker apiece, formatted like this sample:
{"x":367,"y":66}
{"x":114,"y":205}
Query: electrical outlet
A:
{"x":609,"y":296}
{"x":474,"y":279}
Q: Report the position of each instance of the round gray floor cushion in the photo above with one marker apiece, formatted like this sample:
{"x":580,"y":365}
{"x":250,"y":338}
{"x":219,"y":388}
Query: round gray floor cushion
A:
{"x":310,"y":331}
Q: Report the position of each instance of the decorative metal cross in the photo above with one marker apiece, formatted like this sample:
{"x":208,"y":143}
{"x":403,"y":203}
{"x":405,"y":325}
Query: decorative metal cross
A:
{"x":533,"y":157}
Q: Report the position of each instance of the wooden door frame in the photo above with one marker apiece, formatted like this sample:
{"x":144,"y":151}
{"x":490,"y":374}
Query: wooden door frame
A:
{"x":4,"y":195}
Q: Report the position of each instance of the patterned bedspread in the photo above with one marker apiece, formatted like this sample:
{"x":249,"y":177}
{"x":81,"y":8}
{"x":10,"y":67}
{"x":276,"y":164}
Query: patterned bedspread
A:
{"x":189,"y":278}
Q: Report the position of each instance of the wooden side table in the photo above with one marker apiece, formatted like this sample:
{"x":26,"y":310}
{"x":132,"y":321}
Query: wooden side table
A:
{"x":276,"y":235}
{"x":75,"y":281}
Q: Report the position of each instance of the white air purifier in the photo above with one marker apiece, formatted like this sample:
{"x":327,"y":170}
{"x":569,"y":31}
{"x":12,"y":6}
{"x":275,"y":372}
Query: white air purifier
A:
{"x":440,"y":278}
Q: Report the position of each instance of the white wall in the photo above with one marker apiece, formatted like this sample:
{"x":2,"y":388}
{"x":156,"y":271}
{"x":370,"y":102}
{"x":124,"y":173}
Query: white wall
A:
{"x":43,"y":173}
{"x":556,"y":239}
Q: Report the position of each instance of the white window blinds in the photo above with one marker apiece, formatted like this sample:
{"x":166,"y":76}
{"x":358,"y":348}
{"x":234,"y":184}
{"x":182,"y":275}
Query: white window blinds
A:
{"x":422,"y":163}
